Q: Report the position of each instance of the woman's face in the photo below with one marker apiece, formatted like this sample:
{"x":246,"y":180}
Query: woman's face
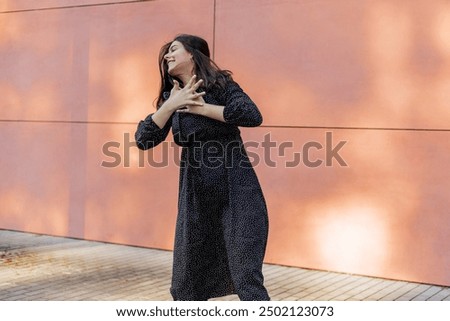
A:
{"x":179,"y":60}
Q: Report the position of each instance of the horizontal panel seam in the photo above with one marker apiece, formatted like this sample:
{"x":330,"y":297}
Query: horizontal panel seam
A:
{"x":262,"y":126}
{"x":74,"y":6}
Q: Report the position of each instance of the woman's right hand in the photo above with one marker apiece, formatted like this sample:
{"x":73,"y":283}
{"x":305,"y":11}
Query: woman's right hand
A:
{"x":186,"y":96}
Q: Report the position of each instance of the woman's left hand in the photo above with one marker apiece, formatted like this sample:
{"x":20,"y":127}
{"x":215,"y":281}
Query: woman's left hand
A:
{"x":202,"y":108}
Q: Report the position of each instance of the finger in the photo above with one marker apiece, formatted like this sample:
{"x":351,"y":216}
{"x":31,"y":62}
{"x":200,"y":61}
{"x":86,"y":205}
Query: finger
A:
{"x":176,"y":85}
{"x":196,"y":95}
{"x":191,"y":81}
{"x":197,"y":84}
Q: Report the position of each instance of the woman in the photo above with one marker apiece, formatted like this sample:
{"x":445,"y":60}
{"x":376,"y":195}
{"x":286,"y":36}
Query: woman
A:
{"x":222,"y":224}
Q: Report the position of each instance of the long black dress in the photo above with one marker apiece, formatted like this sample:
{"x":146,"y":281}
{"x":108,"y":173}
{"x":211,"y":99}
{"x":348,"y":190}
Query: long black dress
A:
{"x":222,"y":223}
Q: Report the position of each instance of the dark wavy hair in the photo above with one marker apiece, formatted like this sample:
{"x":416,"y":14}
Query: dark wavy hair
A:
{"x":205,"y":67}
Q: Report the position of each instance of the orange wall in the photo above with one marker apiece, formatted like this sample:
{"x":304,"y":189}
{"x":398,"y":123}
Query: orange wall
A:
{"x":375,"y":74}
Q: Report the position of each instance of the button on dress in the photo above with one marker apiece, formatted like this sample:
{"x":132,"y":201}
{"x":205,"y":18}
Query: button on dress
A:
{"x":222,"y":223}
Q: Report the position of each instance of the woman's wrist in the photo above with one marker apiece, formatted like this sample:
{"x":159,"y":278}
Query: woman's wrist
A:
{"x":168,"y":107}
{"x":162,"y":115}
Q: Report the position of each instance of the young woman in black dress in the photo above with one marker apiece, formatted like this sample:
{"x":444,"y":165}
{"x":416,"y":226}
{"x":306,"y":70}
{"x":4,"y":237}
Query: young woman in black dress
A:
{"x":222,"y":224}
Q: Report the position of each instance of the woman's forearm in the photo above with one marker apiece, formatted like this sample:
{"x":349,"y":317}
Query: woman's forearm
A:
{"x":213,"y":111}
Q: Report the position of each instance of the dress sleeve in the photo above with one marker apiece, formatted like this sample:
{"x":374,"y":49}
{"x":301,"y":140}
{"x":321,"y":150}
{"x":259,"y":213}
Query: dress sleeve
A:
{"x":149,"y":135}
{"x":240,"y":110}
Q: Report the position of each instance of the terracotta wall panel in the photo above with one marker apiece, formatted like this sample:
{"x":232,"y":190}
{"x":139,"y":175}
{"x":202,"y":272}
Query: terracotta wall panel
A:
{"x":340,"y":63}
{"x":131,"y":195}
{"x":90,"y":63}
{"x":381,"y":213}
{"x":42,"y":177}
{"x":39,"y":66}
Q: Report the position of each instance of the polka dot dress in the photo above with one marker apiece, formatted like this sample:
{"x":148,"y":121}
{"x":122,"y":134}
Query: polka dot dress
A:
{"x":222,"y":222}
